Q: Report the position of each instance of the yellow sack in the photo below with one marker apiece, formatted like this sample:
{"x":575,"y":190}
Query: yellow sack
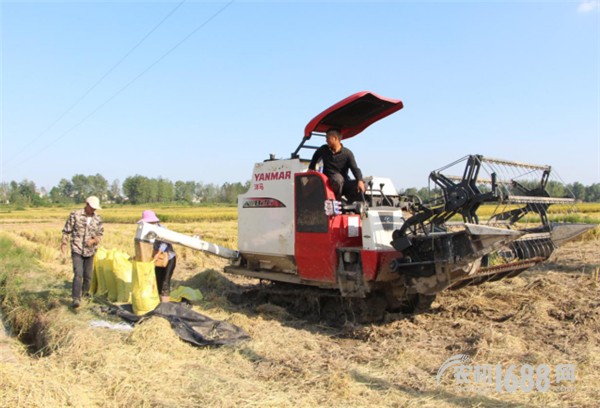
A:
{"x":184,"y":292}
{"x":122,"y":269}
{"x":106,"y":268}
{"x":144,"y":294}
{"x":98,"y":286}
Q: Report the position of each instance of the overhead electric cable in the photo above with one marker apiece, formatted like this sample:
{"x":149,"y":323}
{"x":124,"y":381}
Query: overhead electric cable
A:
{"x":194,"y":31}
{"x":107,"y":73}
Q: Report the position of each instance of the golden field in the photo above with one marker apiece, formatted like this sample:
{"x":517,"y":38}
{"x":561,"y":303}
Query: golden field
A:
{"x":548,"y":316}
{"x":126,"y":214}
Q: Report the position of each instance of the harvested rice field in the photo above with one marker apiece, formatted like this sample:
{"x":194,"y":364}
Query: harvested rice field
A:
{"x":526,"y":342}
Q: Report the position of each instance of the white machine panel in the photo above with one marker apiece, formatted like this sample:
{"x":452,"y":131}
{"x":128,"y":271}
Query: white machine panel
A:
{"x":378,"y":226}
{"x":266,"y":211}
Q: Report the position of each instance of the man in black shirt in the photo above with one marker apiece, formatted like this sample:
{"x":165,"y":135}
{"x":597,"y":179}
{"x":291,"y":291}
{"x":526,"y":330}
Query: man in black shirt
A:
{"x":337,"y":160}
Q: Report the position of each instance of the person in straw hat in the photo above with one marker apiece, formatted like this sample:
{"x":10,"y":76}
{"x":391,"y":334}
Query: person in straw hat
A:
{"x":86,"y":231}
{"x":161,"y":249}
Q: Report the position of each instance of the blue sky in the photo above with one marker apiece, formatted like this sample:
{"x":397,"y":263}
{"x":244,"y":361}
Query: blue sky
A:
{"x":218,"y":86}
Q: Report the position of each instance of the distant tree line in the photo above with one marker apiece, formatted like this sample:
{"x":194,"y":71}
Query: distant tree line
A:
{"x":554,"y":188}
{"x":141,"y":190}
{"x":135,"y":190}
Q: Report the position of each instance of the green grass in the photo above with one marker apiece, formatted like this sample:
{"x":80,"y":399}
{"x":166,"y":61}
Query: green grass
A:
{"x":27,"y":290}
{"x":13,"y":262}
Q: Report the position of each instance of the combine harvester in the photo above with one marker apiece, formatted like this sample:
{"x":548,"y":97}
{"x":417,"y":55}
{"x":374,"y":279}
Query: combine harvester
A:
{"x":388,"y":251}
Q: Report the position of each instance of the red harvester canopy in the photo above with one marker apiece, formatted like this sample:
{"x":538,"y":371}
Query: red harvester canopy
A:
{"x":353,"y":114}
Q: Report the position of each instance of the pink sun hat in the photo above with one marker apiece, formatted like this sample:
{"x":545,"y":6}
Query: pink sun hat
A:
{"x":149,"y":216}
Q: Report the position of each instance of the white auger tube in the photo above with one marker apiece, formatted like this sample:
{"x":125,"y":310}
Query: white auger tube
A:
{"x":149,"y":232}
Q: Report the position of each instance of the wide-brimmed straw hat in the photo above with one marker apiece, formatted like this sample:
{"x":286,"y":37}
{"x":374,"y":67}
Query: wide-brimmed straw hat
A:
{"x":93,"y":202}
{"x":149,"y":216}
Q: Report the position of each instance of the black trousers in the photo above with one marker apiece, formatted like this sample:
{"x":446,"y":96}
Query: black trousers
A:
{"x":342,"y":187}
{"x":163,"y":277}
{"x":83,"y":268}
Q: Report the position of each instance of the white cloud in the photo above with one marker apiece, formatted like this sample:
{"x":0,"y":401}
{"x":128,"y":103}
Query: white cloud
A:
{"x":587,"y":5}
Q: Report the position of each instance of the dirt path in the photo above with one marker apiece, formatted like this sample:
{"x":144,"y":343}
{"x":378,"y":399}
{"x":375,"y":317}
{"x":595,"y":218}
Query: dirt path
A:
{"x":6,"y":353}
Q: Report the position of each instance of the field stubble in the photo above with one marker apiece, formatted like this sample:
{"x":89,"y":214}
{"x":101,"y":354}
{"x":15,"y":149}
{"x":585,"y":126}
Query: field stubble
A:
{"x":546,"y":316}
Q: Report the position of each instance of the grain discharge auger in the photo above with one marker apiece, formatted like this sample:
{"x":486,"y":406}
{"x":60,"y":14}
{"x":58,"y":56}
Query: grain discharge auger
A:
{"x":388,"y":247}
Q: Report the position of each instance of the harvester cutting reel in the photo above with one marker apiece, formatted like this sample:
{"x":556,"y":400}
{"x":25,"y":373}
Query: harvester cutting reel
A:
{"x":490,"y":223}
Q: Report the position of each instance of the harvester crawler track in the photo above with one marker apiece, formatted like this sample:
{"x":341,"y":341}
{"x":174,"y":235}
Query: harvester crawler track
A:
{"x":326,"y":305}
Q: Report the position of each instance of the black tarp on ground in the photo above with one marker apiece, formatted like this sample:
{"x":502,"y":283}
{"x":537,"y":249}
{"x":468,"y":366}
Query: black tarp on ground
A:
{"x":191,"y":326}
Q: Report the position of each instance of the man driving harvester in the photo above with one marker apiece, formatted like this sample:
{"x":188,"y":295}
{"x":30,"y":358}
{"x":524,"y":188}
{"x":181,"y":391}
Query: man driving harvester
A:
{"x":337,"y":160}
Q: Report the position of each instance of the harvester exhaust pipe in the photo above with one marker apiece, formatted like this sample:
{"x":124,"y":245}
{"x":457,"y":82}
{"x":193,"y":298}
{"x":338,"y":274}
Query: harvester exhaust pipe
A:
{"x":149,"y":232}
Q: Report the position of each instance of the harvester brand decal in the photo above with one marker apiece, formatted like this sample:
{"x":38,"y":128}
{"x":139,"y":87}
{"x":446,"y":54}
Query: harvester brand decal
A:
{"x":273,"y":175}
{"x":263,"y":202}
{"x":387,"y":220}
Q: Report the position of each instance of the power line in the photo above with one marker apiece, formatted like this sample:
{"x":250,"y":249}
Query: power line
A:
{"x":129,"y":83}
{"x":107,"y":73}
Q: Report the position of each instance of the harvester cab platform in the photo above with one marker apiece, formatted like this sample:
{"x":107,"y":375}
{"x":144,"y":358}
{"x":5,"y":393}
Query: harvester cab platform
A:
{"x":291,"y":227}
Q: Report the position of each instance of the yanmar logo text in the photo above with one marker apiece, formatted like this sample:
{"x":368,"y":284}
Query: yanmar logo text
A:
{"x":263,"y":202}
{"x":273,"y":175}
